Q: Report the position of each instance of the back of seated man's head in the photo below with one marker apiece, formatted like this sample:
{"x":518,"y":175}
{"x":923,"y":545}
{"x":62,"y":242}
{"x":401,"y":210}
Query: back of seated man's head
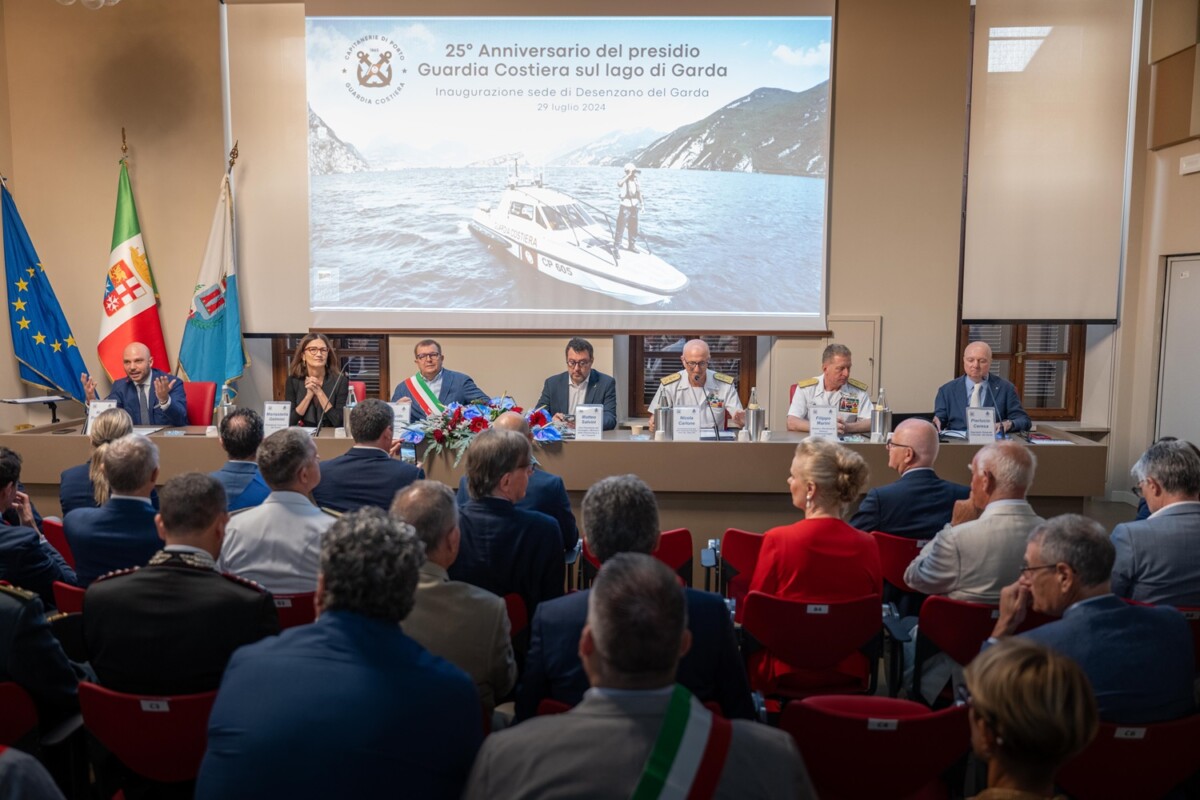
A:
{"x":921,"y":438}
{"x":369,"y":565}
{"x":620,"y":515}
{"x":637,"y":617}
{"x":241,"y":434}
{"x":282,"y":455}
{"x":189,"y":505}
{"x":1011,"y":464}
{"x":370,"y":419}
{"x":1173,"y":464}
{"x":129,"y":463}
{"x":512,"y":421}
{"x":492,"y":455}
{"x":1081,"y":543}
{"x":429,"y":507}
{"x":10,"y":467}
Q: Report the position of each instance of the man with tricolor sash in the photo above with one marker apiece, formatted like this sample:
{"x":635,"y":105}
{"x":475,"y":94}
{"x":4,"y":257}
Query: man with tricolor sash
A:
{"x":432,"y":387}
{"x":637,"y":734}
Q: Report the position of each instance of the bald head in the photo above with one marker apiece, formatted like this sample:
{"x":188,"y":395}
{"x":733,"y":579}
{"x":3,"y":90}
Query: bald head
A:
{"x":137,"y":361}
{"x":695,"y":361}
{"x":921,"y":438}
{"x":977,"y":360}
{"x":512,"y":421}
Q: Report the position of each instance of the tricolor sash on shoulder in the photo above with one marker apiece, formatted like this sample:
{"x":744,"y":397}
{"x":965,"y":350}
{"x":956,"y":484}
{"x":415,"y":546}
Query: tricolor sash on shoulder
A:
{"x":688,"y":754}
{"x":423,"y":396}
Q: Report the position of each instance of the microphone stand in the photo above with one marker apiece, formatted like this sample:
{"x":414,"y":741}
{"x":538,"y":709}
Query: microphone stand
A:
{"x":332,"y":400}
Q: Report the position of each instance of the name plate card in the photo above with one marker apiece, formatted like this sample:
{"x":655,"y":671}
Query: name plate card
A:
{"x":822,"y":422}
{"x":276,"y":416}
{"x":589,"y":423}
{"x":403,"y":411}
{"x":94,"y":409}
{"x":981,"y":425}
{"x":687,"y":424}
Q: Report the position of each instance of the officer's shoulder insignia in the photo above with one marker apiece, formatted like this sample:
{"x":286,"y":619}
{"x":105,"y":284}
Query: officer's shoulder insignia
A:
{"x":249,"y":584}
{"x":857,"y":384}
{"x":330,"y":512}
{"x":116,"y":573}
{"x":804,"y":384}
{"x":18,"y":593}
{"x":674,"y":376}
{"x":722,"y":377}
{"x":241,"y":511}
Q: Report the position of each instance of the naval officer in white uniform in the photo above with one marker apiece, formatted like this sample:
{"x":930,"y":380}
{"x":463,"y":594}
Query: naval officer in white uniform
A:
{"x":833,"y":387}
{"x":695,"y":385}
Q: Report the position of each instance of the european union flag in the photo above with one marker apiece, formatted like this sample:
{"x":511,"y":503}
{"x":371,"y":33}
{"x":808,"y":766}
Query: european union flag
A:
{"x":41,"y":337}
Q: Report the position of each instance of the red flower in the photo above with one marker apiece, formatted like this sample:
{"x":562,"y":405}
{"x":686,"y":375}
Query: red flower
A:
{"x":458,"y":415}
{"x":478,"y":424}
{"x":538,"y":418}
{"x":517,"y":410}
{"x":439,"y":435}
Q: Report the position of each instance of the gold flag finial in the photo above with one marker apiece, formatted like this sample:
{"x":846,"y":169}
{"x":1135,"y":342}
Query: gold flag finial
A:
{"x":124,"y":144}
{"x":233,"y":154}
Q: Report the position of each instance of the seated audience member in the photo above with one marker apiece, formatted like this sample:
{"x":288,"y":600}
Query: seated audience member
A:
{"x":22,"y":777}
{"x":83,"y":485}
{"x":348,"y":706}
{"x":278,"y":543}
{"x":819,"y":559}
{"x":151,"y":396}
{"x":833,"y":388}
{"x":32,"y":658}
{"x":170,"y":627}
{"x":316,"y":387}
{"x":463,"y":624}
{"x":1138,"y":658}
{"x":432,"y":388}
{"x":545,"y":493}
{"x":579,"y":385}
{"x":611,"y":745}
{"x":977,"y":388}
{"x":121,"y":533}
{"x":919,"y":504}
{"x":980,"y":553}
{"x":366,"y":475}
{"x":241,"y":432}
{"x":1030,"y":711}
{"x":697,"y":385}
{"x":1158,"y":559}
{"x":621,"y":516}
{"x":505,"y":549}
{"x":27,"y":560}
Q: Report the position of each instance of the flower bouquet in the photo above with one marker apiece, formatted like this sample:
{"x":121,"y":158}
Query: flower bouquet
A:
{"x":454,"y":428}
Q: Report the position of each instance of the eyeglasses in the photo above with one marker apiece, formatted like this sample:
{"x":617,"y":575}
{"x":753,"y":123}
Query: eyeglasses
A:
{"x":695,"y":364}
{"x":1137,"y":489}
{"x":428,"y":356}
{"x":581,"y":363}
{"x":1027,"y":570}
{"x":527,"y":467}
{"x":316,"y":351}
{"x":893,"y":445}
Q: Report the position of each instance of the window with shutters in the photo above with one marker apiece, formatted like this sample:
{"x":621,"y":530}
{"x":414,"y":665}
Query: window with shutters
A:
{"x":652,"y":358}
{"x":363,"y":358}
{"x":1043,"y":360}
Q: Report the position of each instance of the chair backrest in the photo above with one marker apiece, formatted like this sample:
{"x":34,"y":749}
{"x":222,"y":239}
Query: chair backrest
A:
{"x":360,"y":390}
{"x":518,"y":615}
{"x":548,"y":706}
{"x":792,"y":392}
{"x":295,"y":609}
{"x":739,"y":557}
{"x":1193,"y":617}
{"x":955,"y":627}
{"x":895,"y":554}
{"x":20,"y":714}
{"x":201,"y":400}
{"x":52,"y":529}
{"x":160,"y":738}
{"x":1134,"y":760}
{"x":868,"y":747}
{"x":675,"y":550}
{"x":68,"y":598}
{"x":812,"y":635}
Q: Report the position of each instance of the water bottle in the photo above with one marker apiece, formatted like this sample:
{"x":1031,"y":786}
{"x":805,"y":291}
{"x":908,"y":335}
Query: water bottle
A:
{"x":756,"y":417}
{"x":351,"y":403}
{"x":225,"y":408}
{"x":753,"y":398}
{"x":881,"y":418}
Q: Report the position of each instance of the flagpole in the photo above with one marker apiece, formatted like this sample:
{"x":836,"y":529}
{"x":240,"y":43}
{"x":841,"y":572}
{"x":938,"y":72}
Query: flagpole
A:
{"x":226,"y":116}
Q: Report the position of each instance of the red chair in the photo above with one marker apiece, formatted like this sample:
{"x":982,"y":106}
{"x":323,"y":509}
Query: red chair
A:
{"x":360,"y":390}
{"x":547,"y":706}
{"x":674,"y":549}
{"x":792,"y":392}
{"x":518,"y":616}
{"x":20,"y":715}
{"x":295,"y":609}
{"x":201,"y":400}
{"x":160,"y":738}
{"x":739,"y":557}
{"x":895,"y":554}
{"x":1134,"y":760}
{"x":818,"y":640}
{"x":68,"y":598}
{"x":52,"y":529}
{"x":870,"y":747}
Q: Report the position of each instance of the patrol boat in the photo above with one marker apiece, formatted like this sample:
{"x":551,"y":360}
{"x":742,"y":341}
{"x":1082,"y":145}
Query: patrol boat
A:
{"x":563,"y":237}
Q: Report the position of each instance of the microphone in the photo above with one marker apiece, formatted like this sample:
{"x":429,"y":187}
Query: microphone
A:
{"x":996,"y":408}
{"x":332,"y":400}
{"x":713,"y":415}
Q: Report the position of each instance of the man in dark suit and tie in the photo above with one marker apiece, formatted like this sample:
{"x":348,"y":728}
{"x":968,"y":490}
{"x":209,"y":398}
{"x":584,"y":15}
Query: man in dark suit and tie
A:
{"x":621,"y":516}
{"x":432,"y":387}
{"x":920,"y":503}
{"x":545,"y":493}
{"x":121,"y":533}
{"x":151,"y":396}
{"x":979,"y":389}
{"x":241,"y":433}
{"x":27,"y":560}
{"x":367,"y":475}
{"x":580,"y":385}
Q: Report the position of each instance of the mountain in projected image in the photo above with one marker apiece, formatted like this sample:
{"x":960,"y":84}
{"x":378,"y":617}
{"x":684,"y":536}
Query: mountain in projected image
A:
{"x":327,"y":153}
{"x":610,"y":150}
{"x":769,"y":130}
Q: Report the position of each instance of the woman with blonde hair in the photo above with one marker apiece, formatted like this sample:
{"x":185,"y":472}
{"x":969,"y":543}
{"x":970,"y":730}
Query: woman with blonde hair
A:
{"x":819,"y":559}
{"x":316,"y":387}
{"x":1031,"y":709}
{"x":83,"y":485}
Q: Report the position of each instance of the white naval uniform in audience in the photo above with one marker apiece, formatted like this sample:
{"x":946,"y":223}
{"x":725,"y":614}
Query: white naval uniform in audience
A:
{"x":850,"y":399}
{"x":276,"y":544}
{"x":718,"y":391}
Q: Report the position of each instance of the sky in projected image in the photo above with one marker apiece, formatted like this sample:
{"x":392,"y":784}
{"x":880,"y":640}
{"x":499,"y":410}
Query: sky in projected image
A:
{"x":471,"y":165}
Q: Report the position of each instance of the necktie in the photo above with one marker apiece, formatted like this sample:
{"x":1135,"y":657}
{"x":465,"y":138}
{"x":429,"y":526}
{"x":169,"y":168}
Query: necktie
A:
{"x":976,"y":399}
{"x":144,"y":402}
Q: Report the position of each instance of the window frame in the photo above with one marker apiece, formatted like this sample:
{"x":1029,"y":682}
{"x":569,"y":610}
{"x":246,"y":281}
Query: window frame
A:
{"x":284,"y":345}
{"x":747,"y":373}
{"x":1019,"y":356}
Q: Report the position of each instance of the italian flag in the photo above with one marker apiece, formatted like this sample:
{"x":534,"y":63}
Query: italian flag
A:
{"x":130,"y":295}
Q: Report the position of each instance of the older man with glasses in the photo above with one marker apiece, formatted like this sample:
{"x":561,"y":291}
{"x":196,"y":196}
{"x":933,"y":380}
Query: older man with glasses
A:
{"x":432,"y":387}
{"x":579,"y":385}
{"x":696,"y":385}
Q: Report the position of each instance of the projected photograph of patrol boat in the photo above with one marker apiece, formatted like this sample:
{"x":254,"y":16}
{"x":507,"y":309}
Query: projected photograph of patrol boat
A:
{"x":572,"y":241}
